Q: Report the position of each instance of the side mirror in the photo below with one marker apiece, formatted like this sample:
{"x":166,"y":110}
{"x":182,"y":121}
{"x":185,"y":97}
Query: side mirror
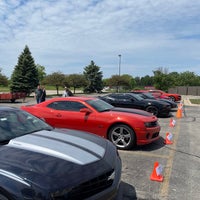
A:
{"x":85,"y":110}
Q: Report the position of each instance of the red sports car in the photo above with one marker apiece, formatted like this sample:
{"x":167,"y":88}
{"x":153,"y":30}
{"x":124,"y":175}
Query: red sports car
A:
{"x":124,"y":127}
{"x":172,"y":96}
{"x":161,"y":94}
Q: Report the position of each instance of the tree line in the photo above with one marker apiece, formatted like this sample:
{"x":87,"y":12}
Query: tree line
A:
{"x":27,"y":75}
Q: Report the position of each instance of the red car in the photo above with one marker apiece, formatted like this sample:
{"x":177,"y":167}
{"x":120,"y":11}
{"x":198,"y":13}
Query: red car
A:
{"x":156,"y":95}
{"x":173,"y":96}
{"x":124,"y":127}
{"x":161,"y":94}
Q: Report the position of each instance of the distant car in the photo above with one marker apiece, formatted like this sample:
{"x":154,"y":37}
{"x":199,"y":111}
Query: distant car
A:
{"x":39,"y":162}
{"x":148,"y":95}
{"x":172,"y":96}
{"x":124,"y":127}
{"x":131,"y":100}
{"x":156,"y":95}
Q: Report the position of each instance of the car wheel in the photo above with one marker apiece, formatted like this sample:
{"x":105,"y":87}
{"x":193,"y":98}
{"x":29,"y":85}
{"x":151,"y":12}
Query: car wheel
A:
{"x":172,"y":98}
{"x":153,"y":110}
{"x":122,"y":136}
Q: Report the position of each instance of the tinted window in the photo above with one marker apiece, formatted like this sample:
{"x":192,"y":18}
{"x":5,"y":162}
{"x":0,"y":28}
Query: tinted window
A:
{"x":99,"y":105}
{"x":66,"y":105}
{"x":14,"y":123}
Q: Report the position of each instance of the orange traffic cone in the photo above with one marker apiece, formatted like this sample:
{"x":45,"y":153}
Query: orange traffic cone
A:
{"x":168,"y":139}
{"x":172,"y":122}
{"x":157,"y":173}
{"x":179,"y":111}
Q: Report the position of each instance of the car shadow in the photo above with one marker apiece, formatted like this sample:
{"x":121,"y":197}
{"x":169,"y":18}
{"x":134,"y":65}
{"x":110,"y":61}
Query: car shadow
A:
{"x":158,"y":144}
{"x":126,"y":192}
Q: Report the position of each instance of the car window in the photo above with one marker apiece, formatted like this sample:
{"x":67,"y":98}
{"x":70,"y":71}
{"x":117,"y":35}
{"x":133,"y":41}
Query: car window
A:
{"x":99,"y":105}
{"x":14,"y":123}
{"x":66,"y":105}
{"x":137,"y":97}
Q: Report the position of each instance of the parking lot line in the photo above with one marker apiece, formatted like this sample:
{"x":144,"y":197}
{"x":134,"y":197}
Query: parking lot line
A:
{"x":164,"y":189}
{"x":144,"y":154}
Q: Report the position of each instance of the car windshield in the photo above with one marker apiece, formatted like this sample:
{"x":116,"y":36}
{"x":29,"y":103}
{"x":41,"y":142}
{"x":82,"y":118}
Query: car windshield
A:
{"x":137,"y":96}
{"x":99,"y":105}
{"x":15,"y":123}
{"x":149,"y":95}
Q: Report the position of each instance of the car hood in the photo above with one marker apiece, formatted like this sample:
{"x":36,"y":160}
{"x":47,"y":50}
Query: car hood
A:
{"x":132,"y":110}
{"x":53,"y":158}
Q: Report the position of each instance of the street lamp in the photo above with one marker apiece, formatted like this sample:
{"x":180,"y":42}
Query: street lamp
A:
{"x":119,"y":64}
{"x":119,"y":71}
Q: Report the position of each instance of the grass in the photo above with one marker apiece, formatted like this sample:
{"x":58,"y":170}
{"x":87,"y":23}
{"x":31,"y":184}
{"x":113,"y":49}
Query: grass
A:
{"x":195,"y":101}
{"x":4,"y":89}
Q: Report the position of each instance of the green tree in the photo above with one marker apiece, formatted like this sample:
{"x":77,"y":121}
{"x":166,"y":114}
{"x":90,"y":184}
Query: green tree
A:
{"x":94,"y":76}
{"x":175,"y":78}
{"x":25,"y":75}
{"x":147,"y":81}
{"x":188,"y":79}
{"x":3,"y":79}
{"x":75,"y":81}
{"x":41,"y":72}
{"x":138,"y":81}
{"x":125,"y":82}
{"x":55,"y":79}
{"x":162,"y":80}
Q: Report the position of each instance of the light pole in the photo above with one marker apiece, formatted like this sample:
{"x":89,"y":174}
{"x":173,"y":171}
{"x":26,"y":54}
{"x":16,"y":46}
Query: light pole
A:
{"x":119,"y":64}
{"x":119,"y":71}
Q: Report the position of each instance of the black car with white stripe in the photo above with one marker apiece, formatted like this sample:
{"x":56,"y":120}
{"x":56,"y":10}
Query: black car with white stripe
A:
{"x":39,"y":162}
{"x":131,"y":100}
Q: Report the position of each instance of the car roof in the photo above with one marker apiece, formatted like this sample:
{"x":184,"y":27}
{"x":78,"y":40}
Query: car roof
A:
{"x":78,"y":98}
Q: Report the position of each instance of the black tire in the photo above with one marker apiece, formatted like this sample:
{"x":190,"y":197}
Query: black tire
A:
{"x":122,"y":136}
{"x":172,"y":98}
{"x":152,"y":109}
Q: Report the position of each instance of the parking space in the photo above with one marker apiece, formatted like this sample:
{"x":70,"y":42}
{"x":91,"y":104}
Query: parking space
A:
{"x":180,"y":162}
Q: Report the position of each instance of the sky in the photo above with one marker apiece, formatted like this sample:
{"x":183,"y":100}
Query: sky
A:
{"x":66,"y":35}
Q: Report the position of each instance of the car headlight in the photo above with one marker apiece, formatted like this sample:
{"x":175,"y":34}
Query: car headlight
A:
{"x":151,"y":124}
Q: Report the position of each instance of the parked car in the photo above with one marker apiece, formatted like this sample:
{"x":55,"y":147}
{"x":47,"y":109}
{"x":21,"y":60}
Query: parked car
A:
{"x":131,"y":100}
{"x":124,"y":127}
{"x":172,"y":96}
{"x":148,"y":95}
{"x":40,"y":162}
{"x":156,"y":95}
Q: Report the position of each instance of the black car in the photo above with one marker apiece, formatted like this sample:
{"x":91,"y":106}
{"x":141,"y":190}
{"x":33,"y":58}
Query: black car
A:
{"x":148,"y":95}
{"x":131,"y":100}
{"x":39,"y":162}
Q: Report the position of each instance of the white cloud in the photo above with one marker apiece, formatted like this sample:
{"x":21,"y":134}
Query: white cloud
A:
{"x":68,"y":34}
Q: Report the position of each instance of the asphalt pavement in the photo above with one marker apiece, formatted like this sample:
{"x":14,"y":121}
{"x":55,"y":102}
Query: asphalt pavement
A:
{"x":179,"y":162}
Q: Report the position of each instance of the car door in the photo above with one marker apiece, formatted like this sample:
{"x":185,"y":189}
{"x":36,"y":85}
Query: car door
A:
{"x":67,"y":114}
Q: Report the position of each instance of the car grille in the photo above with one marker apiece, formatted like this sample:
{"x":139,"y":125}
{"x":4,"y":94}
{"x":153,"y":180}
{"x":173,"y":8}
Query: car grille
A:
{"x":88,"y":189}
{"x":155,"y":135}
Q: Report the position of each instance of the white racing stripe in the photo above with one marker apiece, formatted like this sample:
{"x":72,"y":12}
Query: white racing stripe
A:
{"x":62,"y":148}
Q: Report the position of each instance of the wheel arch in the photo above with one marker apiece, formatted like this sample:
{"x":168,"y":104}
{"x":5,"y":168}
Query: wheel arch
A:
{"x":120,"y":123}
